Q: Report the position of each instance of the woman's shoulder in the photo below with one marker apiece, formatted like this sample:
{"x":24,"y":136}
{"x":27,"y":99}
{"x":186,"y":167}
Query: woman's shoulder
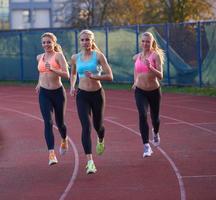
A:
{"x":74,"y":56}
{"x":154,"y":54}
{"x":136,"y":56}
{"x":38,"y":57}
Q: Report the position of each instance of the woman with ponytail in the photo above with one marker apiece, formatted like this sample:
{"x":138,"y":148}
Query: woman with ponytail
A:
{"x":52,"y":66}
{"x":92,"y":67}
{"x":148,"y":72}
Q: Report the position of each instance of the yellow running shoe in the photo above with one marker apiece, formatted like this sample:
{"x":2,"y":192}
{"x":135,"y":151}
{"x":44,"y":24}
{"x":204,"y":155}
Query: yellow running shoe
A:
{"x":100,"y":147}
{"x":64,"y":146}
{"x":52,"y":158}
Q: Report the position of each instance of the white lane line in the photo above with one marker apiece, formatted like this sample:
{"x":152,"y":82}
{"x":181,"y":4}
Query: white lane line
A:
{"x":171,"y":118}
{"x":178,"y":175}
{"x":200,"y":176}
{"x":76,"y":165}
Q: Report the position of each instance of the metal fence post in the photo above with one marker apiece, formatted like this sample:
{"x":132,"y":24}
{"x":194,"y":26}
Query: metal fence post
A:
{"x":199,"y":53}
{"x":21,"y":56}
{"x":137,"y":38}
{"x":76,"y":40}
{"x":106,"y":41}
{"x":167,"y":53}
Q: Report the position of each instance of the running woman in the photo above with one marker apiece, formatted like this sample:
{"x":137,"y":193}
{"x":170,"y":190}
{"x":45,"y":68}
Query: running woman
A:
{"x":92,"y":67}
{"x":148,"y":72}
{"x":52,"y":66}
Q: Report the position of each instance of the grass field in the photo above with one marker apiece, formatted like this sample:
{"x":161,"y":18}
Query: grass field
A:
{"x":203,"y":91}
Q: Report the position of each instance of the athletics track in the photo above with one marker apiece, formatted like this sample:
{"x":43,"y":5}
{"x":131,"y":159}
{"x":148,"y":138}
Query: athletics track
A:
{"x":182,"y":168}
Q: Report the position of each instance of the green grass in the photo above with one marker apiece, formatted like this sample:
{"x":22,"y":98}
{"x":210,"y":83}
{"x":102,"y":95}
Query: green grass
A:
{"x":204,"y":91}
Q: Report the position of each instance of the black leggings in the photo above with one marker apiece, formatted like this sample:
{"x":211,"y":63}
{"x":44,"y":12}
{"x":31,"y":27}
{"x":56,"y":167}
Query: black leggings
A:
{"x":143,"y":100}
{"x":87,"y":103}
{"x":53,"y":100}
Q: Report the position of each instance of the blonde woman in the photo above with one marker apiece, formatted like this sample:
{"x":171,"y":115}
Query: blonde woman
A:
{"x":148,"y":72}
{"x":92,"y":67}
{"x":52,"y":66}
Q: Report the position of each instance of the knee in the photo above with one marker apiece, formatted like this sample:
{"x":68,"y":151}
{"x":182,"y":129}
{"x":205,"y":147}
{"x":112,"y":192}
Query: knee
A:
{"x":48,"y":123}
{"x":143,"y":117}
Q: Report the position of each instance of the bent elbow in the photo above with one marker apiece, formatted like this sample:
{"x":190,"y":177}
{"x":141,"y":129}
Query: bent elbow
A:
{"x":111,"y":78}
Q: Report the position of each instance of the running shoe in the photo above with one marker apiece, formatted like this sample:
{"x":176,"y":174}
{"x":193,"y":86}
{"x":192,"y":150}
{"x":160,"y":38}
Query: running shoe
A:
{"x":100,"y":147}
{"x":147,"y":150}
{"x":90,"y":167}
{"x":52,"y":158}
{"x":156,"y":138}
{"x":64,"y":146}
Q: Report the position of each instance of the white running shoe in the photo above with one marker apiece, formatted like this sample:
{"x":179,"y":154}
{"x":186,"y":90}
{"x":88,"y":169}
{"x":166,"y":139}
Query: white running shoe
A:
{"x":90,"y":167}
{"x":156,"y":138}
{"x":147,"y":150}
{"x":52,"y":159}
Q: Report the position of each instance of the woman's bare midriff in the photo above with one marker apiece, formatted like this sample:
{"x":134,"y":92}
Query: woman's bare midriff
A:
{"x":89,"y":85}
{"x":147,"y":82}
{"x":50,"y":81}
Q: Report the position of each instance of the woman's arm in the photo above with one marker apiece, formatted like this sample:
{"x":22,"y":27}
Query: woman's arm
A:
{"x":63,"y":72}
{"x":107,"y":72}
{"x":158,"y":69}
{"x":135,"y":74}
{"x":37,"y":88}
{"x":73,"y":76}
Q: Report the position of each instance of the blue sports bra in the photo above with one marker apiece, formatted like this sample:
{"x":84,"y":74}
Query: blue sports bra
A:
{"x":90,"y":65}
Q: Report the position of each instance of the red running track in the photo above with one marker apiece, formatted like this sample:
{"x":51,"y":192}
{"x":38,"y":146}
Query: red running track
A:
{"x":182,"y":168}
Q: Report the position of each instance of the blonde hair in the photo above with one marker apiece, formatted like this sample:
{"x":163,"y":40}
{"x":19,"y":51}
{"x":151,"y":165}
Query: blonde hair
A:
{"x":92,"y":37}
{"x":155,"y":46}
{"x":57,"y":46}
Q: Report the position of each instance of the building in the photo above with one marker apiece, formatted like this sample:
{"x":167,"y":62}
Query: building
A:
{"x":4,"y":14}
{"x":26,"y":14}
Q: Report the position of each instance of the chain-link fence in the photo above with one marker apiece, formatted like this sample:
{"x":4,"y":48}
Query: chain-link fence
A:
{"x":189,"y":47}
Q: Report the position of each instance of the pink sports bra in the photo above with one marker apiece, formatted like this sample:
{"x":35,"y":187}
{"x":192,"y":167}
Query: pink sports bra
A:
{"x":41,"y":65}
{"x":141,"y":67}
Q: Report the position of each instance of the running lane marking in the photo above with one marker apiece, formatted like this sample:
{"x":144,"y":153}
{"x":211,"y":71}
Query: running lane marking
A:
{"x":76,"y":155}
{"x":178,"y":175}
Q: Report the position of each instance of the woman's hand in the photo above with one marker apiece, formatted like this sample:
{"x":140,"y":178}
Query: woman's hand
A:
{"x":133,"y":86}
{"x":73,"y":91}
{"x":88,"y":74}
{"x":37,"y":88}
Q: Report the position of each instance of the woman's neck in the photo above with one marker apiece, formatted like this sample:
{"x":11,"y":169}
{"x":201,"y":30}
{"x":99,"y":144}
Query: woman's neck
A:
{"x":49,"y":52}
{"x":146,"y":52}
{"x":87,"y":52}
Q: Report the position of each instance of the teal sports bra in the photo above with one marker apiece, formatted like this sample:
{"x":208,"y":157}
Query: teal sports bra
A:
{"x":90,"y":65}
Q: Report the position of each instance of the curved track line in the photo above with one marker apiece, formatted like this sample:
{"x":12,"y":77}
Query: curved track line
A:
{"x":178,"y":175}
{"x":76,"y":166}
{"x":164,"y":116}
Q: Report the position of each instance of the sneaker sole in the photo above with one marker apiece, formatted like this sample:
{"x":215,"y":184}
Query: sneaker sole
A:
{"x":52,"y":163}
{"x":91,"y":172}
{"x":147,"y":155}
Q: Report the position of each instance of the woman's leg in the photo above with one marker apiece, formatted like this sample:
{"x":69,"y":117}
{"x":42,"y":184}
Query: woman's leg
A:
{"x":84,"y":112}
{"x":59,"y":103}
{"x":154,"y":103}
{"x":142,"y":106}
{"x":46,"y":111}
{"x":98,"y":103}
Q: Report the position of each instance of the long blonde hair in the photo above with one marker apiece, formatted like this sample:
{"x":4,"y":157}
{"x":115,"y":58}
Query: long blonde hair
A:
{"x":155,"y":46}
{"x":57,"y":46}
{"x":92,"y":37}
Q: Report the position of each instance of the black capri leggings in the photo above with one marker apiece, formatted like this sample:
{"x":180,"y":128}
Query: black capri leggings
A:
{"x":87,"y":103}
{"x":143,"y":100}
{"x":53,"y":100}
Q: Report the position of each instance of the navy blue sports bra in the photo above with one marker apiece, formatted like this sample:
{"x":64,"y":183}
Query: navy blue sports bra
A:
{"x":90,"y":65}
